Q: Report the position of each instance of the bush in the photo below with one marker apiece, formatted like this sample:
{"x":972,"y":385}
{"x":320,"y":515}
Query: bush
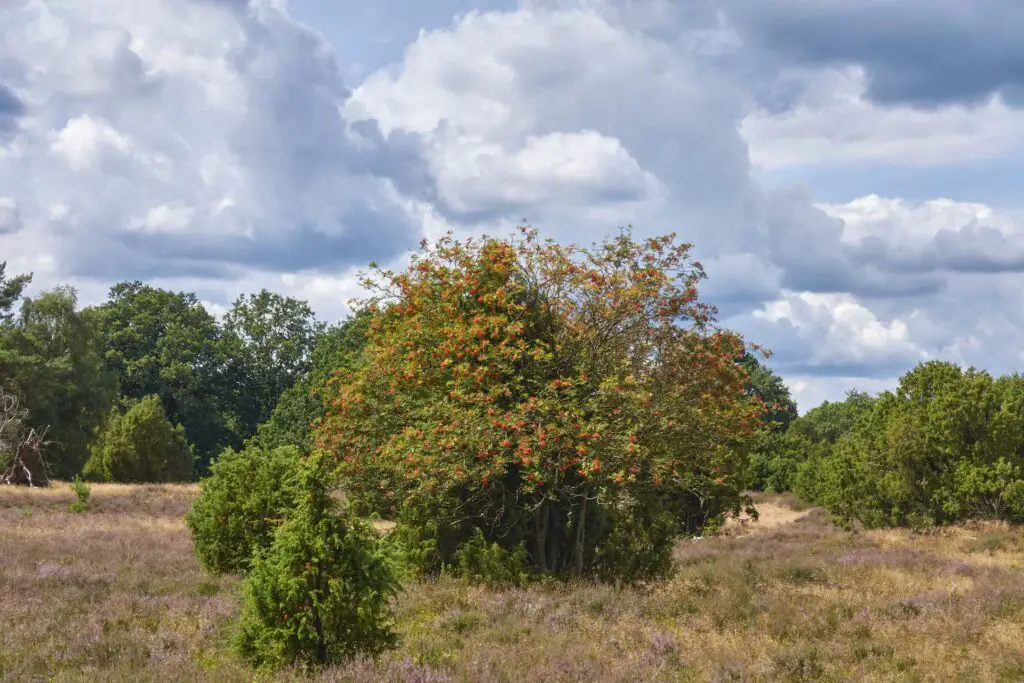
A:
{"x":82,"y":492}
{"x":948,"y":445}
{"x":483,"y":562}
{"x":779,"y":457}
{"x":141,"y":446}
{"x":320,"y":593}
{"x":240,"y":504}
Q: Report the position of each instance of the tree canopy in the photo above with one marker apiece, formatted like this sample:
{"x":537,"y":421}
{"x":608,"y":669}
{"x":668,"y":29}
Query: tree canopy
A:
{"x":578,"y":403}
{"x":268,"y":341}
{"x":167,"y":344}
{"x":768,"y":387}
{"x":51,"y":356}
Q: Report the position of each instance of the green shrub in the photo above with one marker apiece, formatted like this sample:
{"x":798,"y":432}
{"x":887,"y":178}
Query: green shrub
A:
{"x":240,"y":504}
{"x":320,"y":593}
{"x":140,"y":446}
{"x":779,"y":460}
{"x":948,"y":445}
{"x":775,"y":459}
{"x":483,"y":562}
{"x":82,"y":491}
{"x":636,"y":541}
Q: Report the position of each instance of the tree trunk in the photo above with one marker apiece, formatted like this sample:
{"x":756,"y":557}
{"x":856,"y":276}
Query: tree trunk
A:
{"x":581,"y":524}
{"x":554,"y":537}
{"x":540,"y":539}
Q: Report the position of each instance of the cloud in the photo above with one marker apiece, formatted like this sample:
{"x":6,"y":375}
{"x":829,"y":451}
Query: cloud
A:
{"x":11,"y":109}
{"x":832,"y":334}
{"x":556,"y":96}
{"x":570,"y":169}
{"x":10,"y":217}
{"x":833,"y":120}
{"x":196,"y":137}
{"x":939,"y":235}
{"x":925,"y":53}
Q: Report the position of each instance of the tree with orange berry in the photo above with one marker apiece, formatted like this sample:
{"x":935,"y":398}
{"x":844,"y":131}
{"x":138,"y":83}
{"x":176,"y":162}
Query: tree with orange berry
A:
{"x":578,"y":404}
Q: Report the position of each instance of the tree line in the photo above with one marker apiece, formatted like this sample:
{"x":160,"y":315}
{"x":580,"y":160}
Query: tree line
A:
{"x":153,"y":366}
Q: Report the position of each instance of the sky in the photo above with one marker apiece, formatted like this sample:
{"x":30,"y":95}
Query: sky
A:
{"x":848,"y":173}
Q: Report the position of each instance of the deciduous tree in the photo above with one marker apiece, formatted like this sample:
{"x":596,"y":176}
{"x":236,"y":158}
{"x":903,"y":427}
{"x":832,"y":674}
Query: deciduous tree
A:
{"x":51,"y":355}
{"x":166,"y":343}
{"x":269,"y":340}
{"x":578,"y":403}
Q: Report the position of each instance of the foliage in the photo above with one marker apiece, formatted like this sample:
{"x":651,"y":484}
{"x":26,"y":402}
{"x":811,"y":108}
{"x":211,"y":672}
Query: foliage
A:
{"x":320,"y":594}
{"x":489,"y":563}
{"x":140,"y":446}
{"x":764,"y":384}
{"x":947,"y":445}
{"x":832,"y":419}
{"x":11,"y":289}
{"x":301,"y":405}
{"x":779,"y":458}
{"x":775,"y":459}
{"x":558,"y":399}
{"x":243,"y":500}
{"x":165,"y":343}
{"x":269,"y":339}
{"x":82,"y":492}
{"x":52,"y":356}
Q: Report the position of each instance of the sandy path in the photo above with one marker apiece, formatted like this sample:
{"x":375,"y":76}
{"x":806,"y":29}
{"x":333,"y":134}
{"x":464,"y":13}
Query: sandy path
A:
{"x":770,"y":516}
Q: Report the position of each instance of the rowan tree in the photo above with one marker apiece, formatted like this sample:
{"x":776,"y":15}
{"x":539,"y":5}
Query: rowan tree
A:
{"x":580,"y":404}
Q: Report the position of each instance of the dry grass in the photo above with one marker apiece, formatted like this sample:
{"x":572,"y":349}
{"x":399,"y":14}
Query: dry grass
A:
{"x":115,"y":594}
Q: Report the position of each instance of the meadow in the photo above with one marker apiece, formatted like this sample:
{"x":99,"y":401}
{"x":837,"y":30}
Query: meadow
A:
{"x":116,"y":594}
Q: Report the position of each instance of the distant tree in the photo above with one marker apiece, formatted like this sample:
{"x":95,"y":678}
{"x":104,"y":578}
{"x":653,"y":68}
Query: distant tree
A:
{"x":166,"y":343}
{"x":775,"y":453}
{"x":763,"y":383}
{"x":11,"y":289}
{"x":775,"y":459}
{"x":779,"y":457}
{"x":832,"y":419}
{"x":269,"y":340}
{"x":141,"y":446}
{"x":52,"y":356}
{"x":337,"y":349}
{"x":947,"y":445}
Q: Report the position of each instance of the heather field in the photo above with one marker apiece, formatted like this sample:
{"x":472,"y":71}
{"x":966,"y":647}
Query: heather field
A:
{"x":116,"y":594}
